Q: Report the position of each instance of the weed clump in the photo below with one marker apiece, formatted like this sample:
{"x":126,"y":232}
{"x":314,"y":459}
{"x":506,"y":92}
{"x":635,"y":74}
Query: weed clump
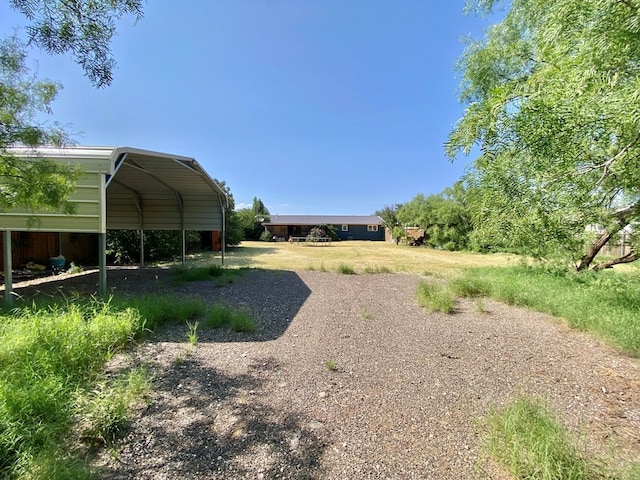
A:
{"x":435,"y":297}
{"x":346,"y":269}
{"x":219,"y":316}
{"x":529,"y":441}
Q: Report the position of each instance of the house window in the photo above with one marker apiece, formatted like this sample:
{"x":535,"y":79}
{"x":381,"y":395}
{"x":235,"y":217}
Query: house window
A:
{"x":372,"y":228}
{"x":345,"y":228}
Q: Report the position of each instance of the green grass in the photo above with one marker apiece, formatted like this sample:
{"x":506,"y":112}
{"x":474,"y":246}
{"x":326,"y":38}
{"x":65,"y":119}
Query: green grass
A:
{"x":242,"y":323}
{"x":157,"y":310}
{"x":435,"y":297}
{"x":192,"y":332}
{"x":105,"y":410}
{"x":527,"y":439}
{"x":377,"y":269}
{"x":53,"y":396}
{"x":237,"y":321}
{"x":220,"y":274}
{"x":49,"y":357}
{"x":606,"y":304}
{"x":331,"y":365}
{"x":345,"y":269}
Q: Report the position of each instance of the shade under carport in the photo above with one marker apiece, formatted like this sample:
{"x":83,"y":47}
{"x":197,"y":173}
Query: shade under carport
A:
{"x":123,"y":188}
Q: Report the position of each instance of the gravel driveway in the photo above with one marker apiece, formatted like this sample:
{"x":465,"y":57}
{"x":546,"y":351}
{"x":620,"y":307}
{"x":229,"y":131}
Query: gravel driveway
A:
{"x":404,"y":401}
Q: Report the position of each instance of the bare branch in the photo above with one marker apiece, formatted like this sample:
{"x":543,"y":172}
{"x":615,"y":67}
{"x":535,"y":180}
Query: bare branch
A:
{"x":628,"y":258}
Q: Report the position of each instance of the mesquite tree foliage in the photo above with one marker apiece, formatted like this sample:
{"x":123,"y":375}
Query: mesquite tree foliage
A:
{"x":553,"y":102}
{"x":29,"y":184}
{"x":81,"y":28}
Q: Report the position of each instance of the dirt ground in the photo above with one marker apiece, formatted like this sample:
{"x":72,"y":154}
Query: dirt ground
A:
{"x":405,"y":399}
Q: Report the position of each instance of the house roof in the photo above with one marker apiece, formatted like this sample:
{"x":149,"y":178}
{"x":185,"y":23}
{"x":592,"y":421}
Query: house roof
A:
{"x":324,"y":220}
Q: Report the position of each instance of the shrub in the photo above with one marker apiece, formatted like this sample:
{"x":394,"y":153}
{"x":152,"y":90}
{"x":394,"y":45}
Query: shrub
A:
{"x":435,"y":297}
{"x":266,"y":236}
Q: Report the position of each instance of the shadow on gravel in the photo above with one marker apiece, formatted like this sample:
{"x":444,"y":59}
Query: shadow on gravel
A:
{"x":204,"y":424}
{"x":272,"y":297}
{"x":120,"y":279}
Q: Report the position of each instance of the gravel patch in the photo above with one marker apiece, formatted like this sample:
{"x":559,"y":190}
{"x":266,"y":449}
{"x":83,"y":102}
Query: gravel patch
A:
{"x":405,"y":398}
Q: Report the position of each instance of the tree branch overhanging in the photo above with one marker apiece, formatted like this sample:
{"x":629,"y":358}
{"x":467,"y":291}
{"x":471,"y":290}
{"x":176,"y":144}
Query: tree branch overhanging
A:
{"x":607,"y":165}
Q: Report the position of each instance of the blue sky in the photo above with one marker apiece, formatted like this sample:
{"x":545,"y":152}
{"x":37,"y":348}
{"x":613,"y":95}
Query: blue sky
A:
{"x":314,"y":106}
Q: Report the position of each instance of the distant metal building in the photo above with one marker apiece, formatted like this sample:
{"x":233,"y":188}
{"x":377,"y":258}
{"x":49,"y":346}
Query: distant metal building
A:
{"x":121,"y":188}
{"x":348,"y":227}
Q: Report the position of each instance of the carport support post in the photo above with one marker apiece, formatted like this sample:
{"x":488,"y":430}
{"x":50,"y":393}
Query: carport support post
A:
{"x":141,"y":247}
{"x":8,"y":268}
{"x":184,"y":246}
{"x":102,"y":264}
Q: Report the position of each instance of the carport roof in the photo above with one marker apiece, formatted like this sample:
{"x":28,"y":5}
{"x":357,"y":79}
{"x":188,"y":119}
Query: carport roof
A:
{"x":144,"y":189}
{"x":164,"y":177}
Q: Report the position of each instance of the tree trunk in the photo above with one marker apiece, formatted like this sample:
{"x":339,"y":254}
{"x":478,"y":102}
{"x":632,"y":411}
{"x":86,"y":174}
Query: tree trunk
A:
{"x":621,"y":215}
{"x":593,"y":250}
{"x":628,"y":258}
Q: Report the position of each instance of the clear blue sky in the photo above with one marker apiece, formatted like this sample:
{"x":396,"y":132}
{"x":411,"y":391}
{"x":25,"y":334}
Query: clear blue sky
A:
{"x":314,"y":106}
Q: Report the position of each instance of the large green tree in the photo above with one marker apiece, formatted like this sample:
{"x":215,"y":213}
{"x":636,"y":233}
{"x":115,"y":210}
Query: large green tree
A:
{"x":81,"y":28}
{"x":251,"y":219}
{"x":443,"y":216}
{"x":553,"y":102}
{"x":234,"y":229}
{"x":389,"y":215}
{"x":38,"y":184}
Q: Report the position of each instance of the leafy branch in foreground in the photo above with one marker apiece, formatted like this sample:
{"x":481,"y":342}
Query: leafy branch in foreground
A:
{"x":84,"y":29}
{"x":38,"y":183}
{"x":552,"y":103}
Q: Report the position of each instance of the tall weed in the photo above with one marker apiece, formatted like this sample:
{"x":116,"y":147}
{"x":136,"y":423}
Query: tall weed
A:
{"x":435,"y":297}
{"x":531,"y":443}
{"x":605,"y":303}
{"x":46,"y":356}
{"x":158,"y":310}
{"x":219,"y":316}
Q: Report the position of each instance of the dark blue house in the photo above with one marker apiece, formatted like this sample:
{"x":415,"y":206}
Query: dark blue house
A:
{"x":348,"y":227}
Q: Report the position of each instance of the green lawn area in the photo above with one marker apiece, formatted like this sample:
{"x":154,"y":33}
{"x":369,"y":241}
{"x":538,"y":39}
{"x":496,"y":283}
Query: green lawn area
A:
{"x":362,"y":256}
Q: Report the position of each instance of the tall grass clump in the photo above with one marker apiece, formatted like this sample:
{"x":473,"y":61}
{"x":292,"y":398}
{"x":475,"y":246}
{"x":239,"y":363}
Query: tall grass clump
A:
{"x":468,"y":287}
{"x":219,"y":316}
{"x":47,"y":356}
{"x":218,"y":273}
{"x":345,"y":269}
{"x":435,"y":297}
{"x":377,"y":269}
{"x":530,"y":442}
{"x":157,"y":310}
{"x":105,"y":409}
{"x":605,"y":303}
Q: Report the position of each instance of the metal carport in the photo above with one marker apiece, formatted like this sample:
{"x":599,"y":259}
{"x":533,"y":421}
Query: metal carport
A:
{"x":122,"y":188}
